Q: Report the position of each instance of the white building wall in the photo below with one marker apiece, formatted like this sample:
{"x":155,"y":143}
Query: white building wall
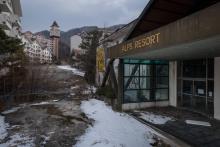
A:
{"x":217,"y":88}
{"x":173,"y":83}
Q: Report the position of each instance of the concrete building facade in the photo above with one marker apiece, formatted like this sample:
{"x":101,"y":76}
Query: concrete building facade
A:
{"x":171,"y":58}
{"x":10,"y":13}
{"x":36,"y":51}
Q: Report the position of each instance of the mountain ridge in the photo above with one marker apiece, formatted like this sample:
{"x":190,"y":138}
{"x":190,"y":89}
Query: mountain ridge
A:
{"x":66,"y":35}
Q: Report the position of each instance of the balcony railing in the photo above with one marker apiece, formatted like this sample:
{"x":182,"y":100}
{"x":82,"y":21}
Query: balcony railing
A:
{"x":16,"y":20}
{"x":6,"y":6}
{"x":5,"y":22}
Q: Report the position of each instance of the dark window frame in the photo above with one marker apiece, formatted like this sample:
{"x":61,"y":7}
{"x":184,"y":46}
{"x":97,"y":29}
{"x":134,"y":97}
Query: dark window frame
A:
{"x":153,"y":77}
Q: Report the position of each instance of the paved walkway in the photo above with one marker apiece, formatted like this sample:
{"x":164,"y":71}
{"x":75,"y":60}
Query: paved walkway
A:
{"x":199,"y":136}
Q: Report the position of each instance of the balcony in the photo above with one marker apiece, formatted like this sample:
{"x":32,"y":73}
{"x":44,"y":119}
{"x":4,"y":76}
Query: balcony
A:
{"x":5,"y":22}
{"x":16,"y":21}
{"x":6,"y":6}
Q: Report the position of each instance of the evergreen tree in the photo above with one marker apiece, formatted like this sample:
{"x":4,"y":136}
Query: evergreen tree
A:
{"x":9,"y":44}
{"x":90,"y":44}
{"x":12,"y":47}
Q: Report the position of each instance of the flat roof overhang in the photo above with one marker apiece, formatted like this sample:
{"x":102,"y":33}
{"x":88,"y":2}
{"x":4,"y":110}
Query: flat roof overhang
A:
{"x":195,"y":36}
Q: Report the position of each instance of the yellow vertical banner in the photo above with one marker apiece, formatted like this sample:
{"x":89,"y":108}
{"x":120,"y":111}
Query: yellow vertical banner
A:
{"x":100,"y":59}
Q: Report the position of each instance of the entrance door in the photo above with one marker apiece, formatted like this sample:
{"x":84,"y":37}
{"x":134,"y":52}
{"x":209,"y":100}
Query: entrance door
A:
{"x":195,"y":85}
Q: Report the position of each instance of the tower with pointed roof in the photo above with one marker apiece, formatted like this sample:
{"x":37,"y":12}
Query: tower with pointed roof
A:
{"x":55,"y":39}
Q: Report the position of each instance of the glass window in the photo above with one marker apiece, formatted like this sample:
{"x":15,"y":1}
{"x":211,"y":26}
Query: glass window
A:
{"x":144,"y":95}
{"x":162,"y":82}
{"x":187,"y":87}
{"x":145,"y":70}
{"x":194,"y":68}
{"x":161,"y":94}
{"x":131,"y":96}
{"x":145,"y":80}
{"x":131,"y":83}
{"x":145,"y":83}
{"x":131,"y":70}
{"x":162,"y":70}
{"x":200,"y":88}
{"x":210,"y":68}
{"x":211,"y":89}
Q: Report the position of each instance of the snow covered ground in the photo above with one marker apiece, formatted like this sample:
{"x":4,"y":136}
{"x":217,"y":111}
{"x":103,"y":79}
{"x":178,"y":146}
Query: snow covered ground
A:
{"x":90,"y":90}
{"x":3,"y":128}
{"x":74,"y":70}
{"x":112,"y":129}
{"x":18,"y":140}
{"x":155,"y":119}
{"x":11,"y":110}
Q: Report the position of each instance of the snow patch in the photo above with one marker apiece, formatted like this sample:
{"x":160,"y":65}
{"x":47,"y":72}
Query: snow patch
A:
{"x":19,"y":140}
{"x":41,"y":103}
{"x":74,"y":87}
{"x":15,"y":109}
{"x":3,"y":128}
{"x":74,"y":70}
{"x":90,"y":90}
{"x":199,"y":123}
{"x":112,"y":129}
{"x":155,"y":119}
{"x":86,"y":92}
{"x":72,"y":94}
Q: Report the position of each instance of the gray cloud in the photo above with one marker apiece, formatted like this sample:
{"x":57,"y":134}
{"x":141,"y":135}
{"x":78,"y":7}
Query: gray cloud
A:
{"x":39,"y":14}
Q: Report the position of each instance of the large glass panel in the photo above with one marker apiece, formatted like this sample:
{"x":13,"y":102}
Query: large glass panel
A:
{"x":211,"y":89}
{"x":162,"y":94}
{"x":194,"y":68}
{"x":200,"y":88}
{"x":162,"y":70}
{"x":144,"y":95}
{"x":211,"y":68}
{"x":131,"y":70}
{"x":145,"y":70}
{"x":145,"y":83}
{"x":131,"y":83}
{"x":162,"y":82}
{"x":187,"y":87}
{"x":131,"y":96}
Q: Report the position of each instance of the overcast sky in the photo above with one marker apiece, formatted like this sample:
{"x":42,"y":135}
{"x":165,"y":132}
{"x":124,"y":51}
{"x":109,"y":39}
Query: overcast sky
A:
{"x":39,"y":14}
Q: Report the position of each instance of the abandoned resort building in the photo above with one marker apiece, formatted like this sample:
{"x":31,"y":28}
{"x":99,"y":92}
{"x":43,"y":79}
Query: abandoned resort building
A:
{"x":169,"y":56}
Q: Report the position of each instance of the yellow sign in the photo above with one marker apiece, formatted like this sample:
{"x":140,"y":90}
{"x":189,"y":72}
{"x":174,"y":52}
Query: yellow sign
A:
{"x":100,"y":59}
{"x":141,"y":43}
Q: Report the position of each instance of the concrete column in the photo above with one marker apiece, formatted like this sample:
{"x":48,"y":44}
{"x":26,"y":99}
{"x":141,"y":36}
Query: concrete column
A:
{"x":173,"y":83}
{"x":120,"y":84}
{"x":217,"y":88}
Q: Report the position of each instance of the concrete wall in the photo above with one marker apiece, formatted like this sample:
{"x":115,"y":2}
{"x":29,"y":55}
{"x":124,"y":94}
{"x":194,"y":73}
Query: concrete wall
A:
{"x":217,"y":89}
{"x":133,"y":106}
{"x":173,"y":83}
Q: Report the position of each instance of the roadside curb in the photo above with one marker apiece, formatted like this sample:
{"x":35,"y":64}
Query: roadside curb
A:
{"x":170,"y":139}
